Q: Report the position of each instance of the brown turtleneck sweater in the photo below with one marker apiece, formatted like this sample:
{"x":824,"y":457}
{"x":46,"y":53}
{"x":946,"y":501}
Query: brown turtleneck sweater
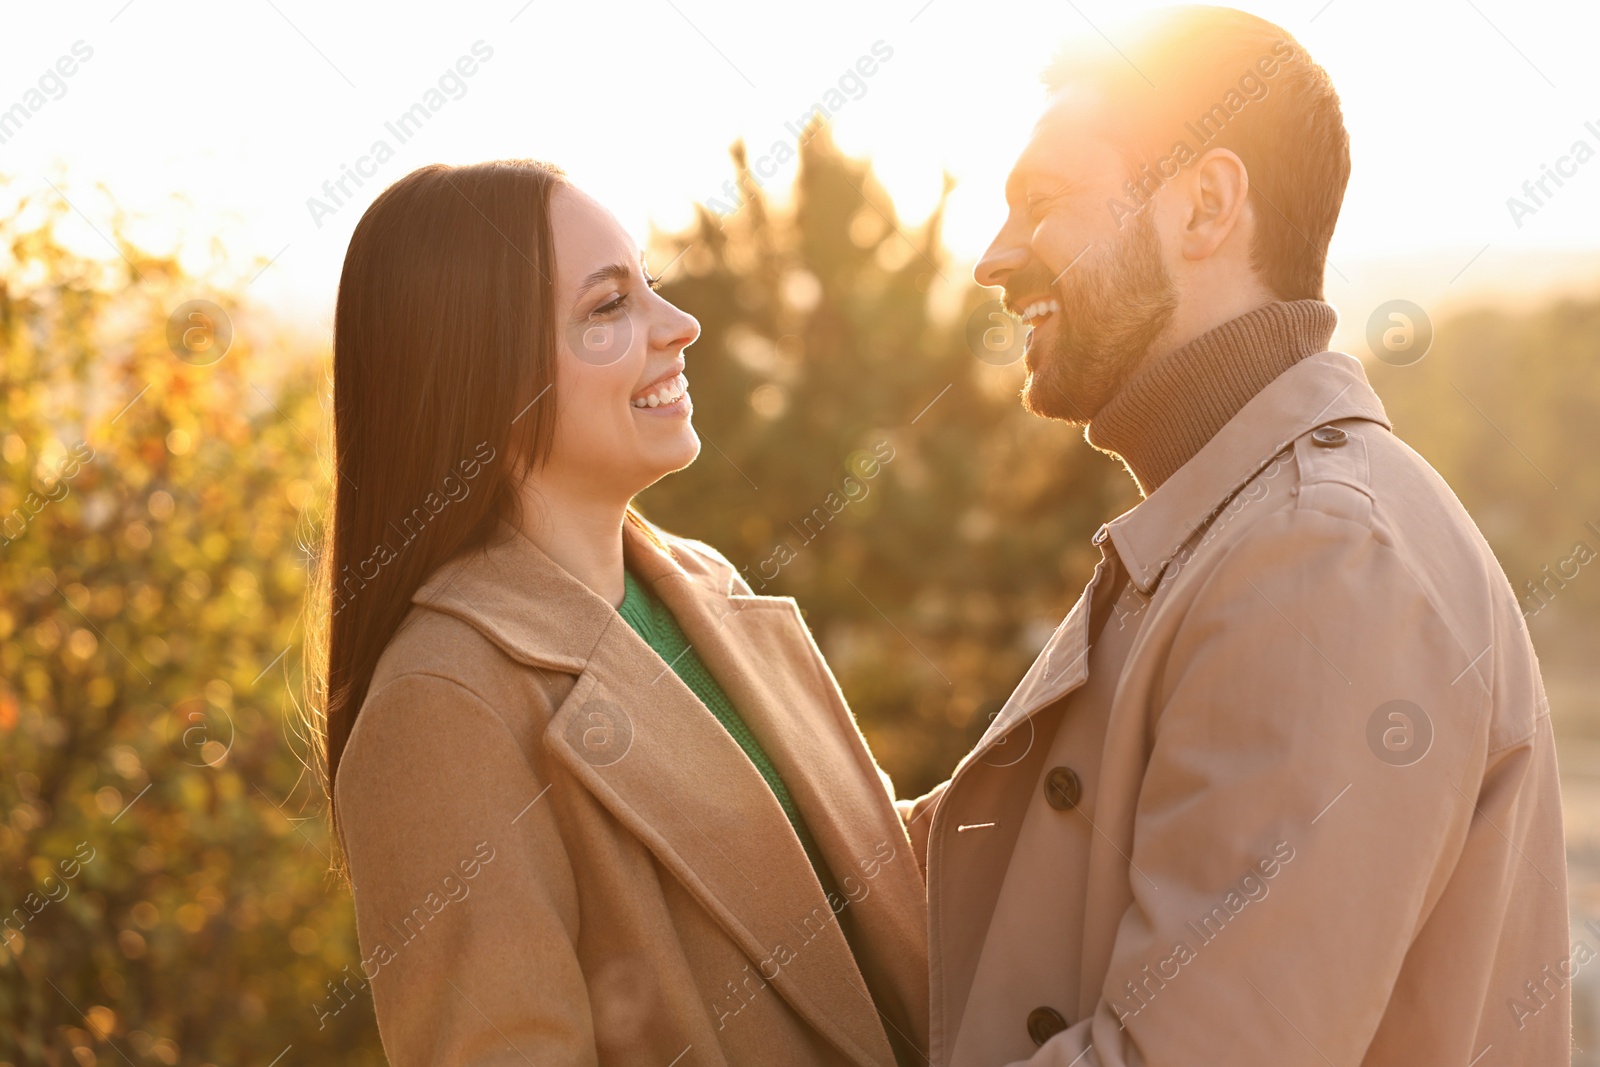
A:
{"x":1170,"y":408}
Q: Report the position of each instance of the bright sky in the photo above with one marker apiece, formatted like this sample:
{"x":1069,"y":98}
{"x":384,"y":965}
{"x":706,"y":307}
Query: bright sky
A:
{"x":223,"y":119}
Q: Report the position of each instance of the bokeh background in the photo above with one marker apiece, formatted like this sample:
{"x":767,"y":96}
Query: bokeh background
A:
{"x":164,"y":855}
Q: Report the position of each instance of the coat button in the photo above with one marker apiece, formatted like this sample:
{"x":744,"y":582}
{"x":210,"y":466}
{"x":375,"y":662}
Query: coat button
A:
{"x":1062,"y":788}
{"x":1328,"y":436}
{"x":1045,"y":1023}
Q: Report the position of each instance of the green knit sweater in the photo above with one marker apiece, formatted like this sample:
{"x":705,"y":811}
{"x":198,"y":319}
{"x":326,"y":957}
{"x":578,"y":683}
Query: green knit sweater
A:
{"x":651,"y":620}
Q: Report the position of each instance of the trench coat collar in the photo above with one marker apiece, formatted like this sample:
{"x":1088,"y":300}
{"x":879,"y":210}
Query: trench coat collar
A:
{"x":494,"y":588}
{"x":649,"y":750}
{"x":1319,"y":389}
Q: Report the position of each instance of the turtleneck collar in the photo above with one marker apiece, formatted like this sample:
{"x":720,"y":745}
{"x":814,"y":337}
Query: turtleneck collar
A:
{"x":1173,"y":406}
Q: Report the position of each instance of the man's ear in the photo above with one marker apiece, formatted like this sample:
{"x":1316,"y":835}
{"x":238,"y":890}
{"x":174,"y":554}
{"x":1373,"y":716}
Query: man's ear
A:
{"x":1216,"y":202}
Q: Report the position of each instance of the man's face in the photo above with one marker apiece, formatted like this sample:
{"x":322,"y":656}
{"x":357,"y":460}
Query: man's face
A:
{"x":1089,"y":281}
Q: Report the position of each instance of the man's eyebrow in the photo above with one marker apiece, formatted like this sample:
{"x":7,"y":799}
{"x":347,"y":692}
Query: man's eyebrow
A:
{"x":1020,"y":178}
{"x":615,"y":272}
{"x":1033,"y":173}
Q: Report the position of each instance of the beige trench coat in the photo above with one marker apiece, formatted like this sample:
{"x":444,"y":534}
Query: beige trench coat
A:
{"x":1317,"y":817}
{"x":559,"y":856}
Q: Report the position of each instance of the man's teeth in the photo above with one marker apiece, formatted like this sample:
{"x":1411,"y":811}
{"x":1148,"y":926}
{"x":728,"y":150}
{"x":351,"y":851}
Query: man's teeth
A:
{"x":668,"y":392}
{"x":1040,"y":308}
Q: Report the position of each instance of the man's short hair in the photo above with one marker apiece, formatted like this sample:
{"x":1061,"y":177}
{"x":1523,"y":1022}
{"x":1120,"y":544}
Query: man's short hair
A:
{"x":1213,"y":77}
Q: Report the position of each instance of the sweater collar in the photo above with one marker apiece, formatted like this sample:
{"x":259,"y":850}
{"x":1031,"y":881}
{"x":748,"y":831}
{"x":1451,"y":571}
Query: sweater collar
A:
{"x":1171,"y":407}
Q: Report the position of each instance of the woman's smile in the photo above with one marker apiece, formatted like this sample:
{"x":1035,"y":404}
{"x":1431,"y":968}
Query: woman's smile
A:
{"x":668,"y":395}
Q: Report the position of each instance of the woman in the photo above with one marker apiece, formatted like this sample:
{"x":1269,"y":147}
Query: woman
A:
{"x":598,"y":802}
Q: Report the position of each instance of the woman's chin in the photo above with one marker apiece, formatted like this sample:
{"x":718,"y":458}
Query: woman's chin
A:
{"x":672,"y":456}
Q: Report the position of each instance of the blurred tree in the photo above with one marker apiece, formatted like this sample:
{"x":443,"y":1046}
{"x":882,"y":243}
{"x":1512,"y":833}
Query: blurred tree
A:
{"x":163,"y":883}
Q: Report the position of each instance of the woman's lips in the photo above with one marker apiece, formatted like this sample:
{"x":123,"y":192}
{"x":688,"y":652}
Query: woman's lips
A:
{"x":666,"y":393}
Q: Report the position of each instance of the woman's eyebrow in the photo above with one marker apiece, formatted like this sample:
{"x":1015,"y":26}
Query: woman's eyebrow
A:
{"x":615,"y":272}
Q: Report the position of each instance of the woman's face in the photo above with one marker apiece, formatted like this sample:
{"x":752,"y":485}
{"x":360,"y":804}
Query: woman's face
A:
{"x":622,"y":420}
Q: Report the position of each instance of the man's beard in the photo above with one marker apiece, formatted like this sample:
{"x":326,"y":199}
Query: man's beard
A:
{"x":1114,"y":306}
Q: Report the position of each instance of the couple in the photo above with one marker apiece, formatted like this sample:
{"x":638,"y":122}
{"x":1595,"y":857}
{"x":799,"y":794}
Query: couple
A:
{"x":1280,"y":789}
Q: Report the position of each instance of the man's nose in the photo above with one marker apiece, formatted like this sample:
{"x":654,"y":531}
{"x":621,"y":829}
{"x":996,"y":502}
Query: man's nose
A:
{"x":1002,"y":258}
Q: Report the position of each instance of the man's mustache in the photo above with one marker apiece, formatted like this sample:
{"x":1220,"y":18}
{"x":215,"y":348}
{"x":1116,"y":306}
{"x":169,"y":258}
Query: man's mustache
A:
{"x":1027,"y":285}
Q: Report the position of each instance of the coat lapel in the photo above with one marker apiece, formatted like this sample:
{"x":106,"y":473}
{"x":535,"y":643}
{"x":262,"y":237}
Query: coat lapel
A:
{"x":762,"y":653}
{"x":640,"y":740}
{"x":1061,"y":667}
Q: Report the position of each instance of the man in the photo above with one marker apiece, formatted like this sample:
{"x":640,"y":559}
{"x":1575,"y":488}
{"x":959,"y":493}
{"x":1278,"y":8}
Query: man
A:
{"x":1281,"y":789}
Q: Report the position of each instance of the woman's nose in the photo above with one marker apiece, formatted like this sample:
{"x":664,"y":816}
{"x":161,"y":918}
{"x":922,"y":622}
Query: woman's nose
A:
{"x":676,"y":328}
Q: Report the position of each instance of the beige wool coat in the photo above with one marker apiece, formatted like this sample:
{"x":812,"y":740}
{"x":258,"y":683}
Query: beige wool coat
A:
{"x":559,"y":856}
{"x":1290,"y":799}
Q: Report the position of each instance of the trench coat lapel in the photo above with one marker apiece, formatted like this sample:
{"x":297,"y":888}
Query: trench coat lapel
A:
{"x":1061,"y":666}
{"x":640,"y":740}
{"x":762,"y":653}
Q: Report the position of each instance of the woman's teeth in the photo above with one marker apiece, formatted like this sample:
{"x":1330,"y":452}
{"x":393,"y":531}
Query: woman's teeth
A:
{"x":1040,"y":308}
{"x":667,"y":392}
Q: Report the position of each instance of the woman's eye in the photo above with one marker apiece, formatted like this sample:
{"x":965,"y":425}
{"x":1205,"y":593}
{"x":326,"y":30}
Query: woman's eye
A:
{"x":610,"y":305}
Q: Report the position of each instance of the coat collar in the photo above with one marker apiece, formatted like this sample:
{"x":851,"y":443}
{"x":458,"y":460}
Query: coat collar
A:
{"x":1318,"y":389}
{"x":638,"y":739}
{"x":522,"y":600}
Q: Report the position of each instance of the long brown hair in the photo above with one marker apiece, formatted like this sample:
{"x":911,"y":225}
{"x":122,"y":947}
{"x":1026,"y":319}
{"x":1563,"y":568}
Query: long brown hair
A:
{"x":444,"y":353}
